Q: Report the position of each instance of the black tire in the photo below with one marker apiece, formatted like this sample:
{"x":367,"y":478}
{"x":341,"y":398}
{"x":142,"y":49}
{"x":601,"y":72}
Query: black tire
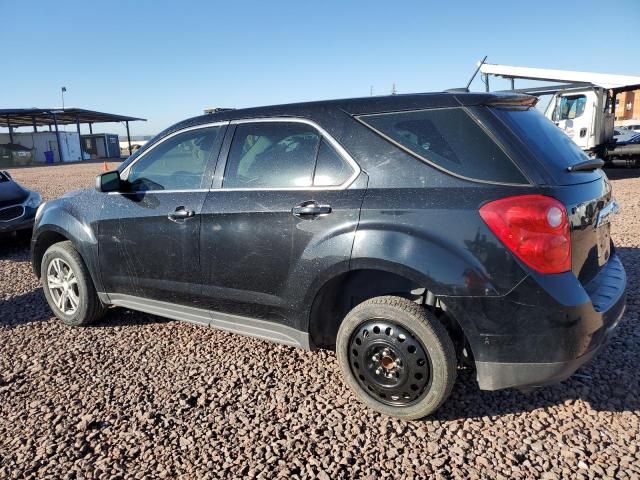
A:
{"x":89,"y":307}
{"x":374,"y":325}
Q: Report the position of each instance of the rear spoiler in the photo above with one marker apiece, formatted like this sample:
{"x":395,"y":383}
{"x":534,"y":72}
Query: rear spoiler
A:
{"x":510,"y":99}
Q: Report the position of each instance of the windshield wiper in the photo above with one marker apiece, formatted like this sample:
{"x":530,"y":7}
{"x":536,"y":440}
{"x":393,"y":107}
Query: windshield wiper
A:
{"x":591,"y":164}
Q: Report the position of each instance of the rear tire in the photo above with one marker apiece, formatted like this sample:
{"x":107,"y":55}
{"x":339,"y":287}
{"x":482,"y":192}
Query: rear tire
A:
{"x":396,"y":357}
{"x":68,"y":287}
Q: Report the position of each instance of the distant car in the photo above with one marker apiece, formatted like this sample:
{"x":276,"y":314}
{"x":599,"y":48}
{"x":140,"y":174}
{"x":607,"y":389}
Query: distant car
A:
{"x":124,"y":147}
{"x":410,"y":233}
{"x":18,"y":205}
{"x":626,"y":135}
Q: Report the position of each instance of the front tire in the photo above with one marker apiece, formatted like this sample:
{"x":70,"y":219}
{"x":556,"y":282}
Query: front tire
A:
{"x":68,"y":287}
{"x":396,"y":357}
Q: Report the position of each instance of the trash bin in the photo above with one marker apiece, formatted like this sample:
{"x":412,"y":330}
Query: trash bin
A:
{"x":48,"y":156}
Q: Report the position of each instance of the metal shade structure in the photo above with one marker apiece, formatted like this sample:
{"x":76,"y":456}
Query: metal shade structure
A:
{"x":613,"y":82}
{"x":53,"y":117}
{"x":603,"y":80}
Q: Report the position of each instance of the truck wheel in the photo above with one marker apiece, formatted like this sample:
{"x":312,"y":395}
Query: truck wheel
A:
{"x":397,"y":357}
{"x":68,"y":287}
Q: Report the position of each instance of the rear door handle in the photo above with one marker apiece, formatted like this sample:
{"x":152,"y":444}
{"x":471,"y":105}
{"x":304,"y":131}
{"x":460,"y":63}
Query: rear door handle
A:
{"x":310,"y":209}
{"x":181,"y":213}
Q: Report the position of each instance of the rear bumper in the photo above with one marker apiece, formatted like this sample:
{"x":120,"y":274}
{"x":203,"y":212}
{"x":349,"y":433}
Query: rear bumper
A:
{"x":545,"y":329}
{"x":499,"y":375}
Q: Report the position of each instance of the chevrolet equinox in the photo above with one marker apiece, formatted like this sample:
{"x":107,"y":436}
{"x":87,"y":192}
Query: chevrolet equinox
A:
{"x":414,"y":234}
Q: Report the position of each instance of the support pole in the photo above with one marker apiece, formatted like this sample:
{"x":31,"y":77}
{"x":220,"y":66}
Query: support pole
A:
{"x":91,"y":128}
{"x":513,"y":83}
{"x":50,"y":128}
{"x":10,"y":129}
{"x":55,"y":122}
{"x":35,"y":125}
{"x":79,"y":137}
{"x":486,"y":78}
{"x":128,"y":137}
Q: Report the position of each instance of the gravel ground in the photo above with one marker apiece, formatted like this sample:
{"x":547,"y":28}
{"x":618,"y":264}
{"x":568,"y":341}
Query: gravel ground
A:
{"x":140,"y":397}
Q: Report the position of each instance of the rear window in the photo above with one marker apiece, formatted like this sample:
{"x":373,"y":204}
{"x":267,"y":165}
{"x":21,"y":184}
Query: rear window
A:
{"x":450,"y":139}
{"x":548,"y":143}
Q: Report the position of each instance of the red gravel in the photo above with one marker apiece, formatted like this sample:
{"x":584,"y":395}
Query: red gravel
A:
{"x":141,"y":397}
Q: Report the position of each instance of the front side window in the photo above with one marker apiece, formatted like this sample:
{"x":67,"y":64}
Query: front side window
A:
{"x":571,"y":107}
{"x":450,"y":139}
{"x":177,"y":163}
{"x":272,"y":155}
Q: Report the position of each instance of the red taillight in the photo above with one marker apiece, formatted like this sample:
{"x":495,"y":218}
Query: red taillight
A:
{"x":535,"y":228}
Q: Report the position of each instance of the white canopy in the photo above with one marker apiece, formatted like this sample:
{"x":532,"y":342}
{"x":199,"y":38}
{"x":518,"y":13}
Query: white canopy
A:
{"x":604,"y":80}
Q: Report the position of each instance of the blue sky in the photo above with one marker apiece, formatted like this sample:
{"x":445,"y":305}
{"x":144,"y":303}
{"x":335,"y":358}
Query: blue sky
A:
{"x":168,"y":60}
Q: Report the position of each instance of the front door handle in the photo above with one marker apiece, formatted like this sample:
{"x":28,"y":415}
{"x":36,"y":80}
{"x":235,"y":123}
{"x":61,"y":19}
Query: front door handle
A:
{"x":310,"y":209}
{"x":181,"y":213}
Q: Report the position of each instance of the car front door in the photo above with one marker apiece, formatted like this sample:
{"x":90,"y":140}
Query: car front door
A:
{"x":148,"y":235}
{"x":285,"y":211}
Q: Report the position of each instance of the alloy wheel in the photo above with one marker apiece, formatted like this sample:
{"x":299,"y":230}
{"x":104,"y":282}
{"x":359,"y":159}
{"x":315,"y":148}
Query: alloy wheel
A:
{"x":63,"y":286}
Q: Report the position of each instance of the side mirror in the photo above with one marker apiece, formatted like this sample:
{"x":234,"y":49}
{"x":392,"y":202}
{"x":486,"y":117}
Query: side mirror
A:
{"x":108,"y":182}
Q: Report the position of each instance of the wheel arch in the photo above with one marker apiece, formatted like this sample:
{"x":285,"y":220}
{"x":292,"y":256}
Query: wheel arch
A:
{"x":41,"y":244}
{"x":58,"y":225}
{"x":341,"y":293}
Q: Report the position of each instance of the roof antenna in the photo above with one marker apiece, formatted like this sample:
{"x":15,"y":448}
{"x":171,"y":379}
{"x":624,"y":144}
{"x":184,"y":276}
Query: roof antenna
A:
{"x":476,"y":72}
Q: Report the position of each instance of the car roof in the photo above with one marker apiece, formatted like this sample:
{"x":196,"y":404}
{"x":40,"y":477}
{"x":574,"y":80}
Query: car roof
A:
{"x":348,"y":106}
{"x":363,"y":106}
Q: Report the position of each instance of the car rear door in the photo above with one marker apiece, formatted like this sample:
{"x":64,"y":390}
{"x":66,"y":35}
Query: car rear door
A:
{"x":149,"y":233}
{"x":283,"y":212}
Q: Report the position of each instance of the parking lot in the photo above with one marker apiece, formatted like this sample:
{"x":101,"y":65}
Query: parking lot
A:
{"x":137,"y":396}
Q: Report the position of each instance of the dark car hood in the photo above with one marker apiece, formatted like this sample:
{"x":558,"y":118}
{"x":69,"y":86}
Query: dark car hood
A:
{"x":11,"y":194}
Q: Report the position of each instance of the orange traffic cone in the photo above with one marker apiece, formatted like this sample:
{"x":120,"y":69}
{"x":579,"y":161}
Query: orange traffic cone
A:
{"x":105,"y":167}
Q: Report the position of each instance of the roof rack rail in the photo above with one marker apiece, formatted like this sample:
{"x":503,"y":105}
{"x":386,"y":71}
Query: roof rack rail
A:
{"x":217,"y":110}
{"x":457,"y":90}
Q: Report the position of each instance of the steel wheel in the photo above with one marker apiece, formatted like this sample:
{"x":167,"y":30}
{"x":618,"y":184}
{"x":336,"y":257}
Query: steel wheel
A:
{"x":63,"y":286}
{"x":389,"y":362}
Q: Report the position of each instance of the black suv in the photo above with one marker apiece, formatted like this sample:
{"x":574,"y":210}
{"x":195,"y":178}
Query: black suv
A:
{"x":415,"y":234}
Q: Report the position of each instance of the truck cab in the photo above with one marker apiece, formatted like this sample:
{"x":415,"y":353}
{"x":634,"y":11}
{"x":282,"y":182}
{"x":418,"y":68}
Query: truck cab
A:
{"x":584,"y":115}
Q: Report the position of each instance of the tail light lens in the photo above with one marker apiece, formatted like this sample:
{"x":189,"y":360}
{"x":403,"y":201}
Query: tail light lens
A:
{"x":535,"y":228}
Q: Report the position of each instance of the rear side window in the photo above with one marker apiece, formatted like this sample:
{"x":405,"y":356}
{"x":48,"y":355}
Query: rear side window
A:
{"x":331,"y":168}
{"x":450,"y":139}
{"x":283,"y":155}
{"x":272,"y":155}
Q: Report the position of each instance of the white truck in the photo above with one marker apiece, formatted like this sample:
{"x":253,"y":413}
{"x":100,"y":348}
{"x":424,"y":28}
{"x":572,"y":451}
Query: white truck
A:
{"x":583,"y":106}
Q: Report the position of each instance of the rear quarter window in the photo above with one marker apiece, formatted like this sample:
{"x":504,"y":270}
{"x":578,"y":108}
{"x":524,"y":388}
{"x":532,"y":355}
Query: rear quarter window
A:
{"x":450,"y":140}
